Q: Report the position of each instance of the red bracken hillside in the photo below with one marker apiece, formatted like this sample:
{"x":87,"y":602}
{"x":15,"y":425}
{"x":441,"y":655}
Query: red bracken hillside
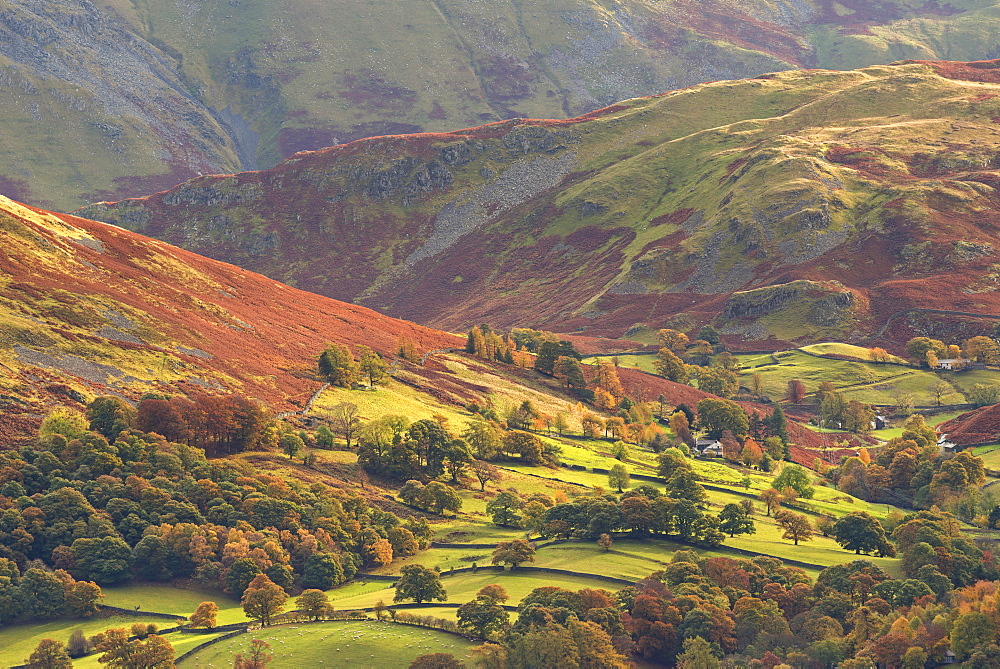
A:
{"x":976,"y":427}
{"x":88,"y":307}
{"x":787,"y":208}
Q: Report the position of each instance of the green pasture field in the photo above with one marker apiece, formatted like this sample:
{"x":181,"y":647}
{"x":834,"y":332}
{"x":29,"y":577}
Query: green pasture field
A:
{"x":989,"y":454}
{"x":636,"y":361}
{"x":178,"y":601}
{"x":354,"y":644}
{"x":17,"y":641}
{"x":463,"y":587}
{"x":180,"y":642}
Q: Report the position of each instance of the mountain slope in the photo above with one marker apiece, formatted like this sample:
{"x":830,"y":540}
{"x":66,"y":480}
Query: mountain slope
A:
{"x":121,"y":98}
{"x":793,"y":206}
{"x":86,"y":308}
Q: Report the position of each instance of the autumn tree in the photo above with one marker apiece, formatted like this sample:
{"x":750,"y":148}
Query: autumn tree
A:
{"x":420,"y":584}
{"x":258,"y":658}
{"x":772,"y":499}
{"x":346,"y":419}
{"x":436,"y":661}
{"x":669,"y":366}
{"x":607,"y":379}
{"x":795,"y":525}
{"x":118,"y":652}
{"x":673,"y":340}
{"x":49,"y":654}
{"x":205,"y":615}
{"x":513,"y":553}
{"x":878,"y":355}
{"x":263,"y":599}
{"x":796,"y":391}
{"x":484,"y":473}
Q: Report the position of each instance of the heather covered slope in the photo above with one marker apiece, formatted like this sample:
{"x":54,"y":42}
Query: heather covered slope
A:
{"x":794,"y":206}
{"x":86,"y":309}
{"x":110,"y":100}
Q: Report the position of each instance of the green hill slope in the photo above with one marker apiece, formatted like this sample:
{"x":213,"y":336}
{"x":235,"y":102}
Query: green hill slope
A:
{"x":132,"y":96}
{"x":794,"y":206}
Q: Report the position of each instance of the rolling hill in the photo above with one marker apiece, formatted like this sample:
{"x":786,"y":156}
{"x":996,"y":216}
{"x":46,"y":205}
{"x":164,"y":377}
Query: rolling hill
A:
{"x":89,"y":309}
{"x":124,"y":97}
{"x":794,"y":206}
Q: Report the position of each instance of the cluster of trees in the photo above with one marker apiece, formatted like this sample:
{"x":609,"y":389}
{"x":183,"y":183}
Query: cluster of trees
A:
{"x":143,"y":506}
{"x":425,"y":450}
{"x":926,"y":352}
{"x":340,"y":368}
{"x":484,"y":342}
{"x":911,"y":466}
{"x":698,"y":611}
{"x":139,"y":646}
{"x":219,"y":424}
{"x":643,"y":511}
{"x":38,"y":593}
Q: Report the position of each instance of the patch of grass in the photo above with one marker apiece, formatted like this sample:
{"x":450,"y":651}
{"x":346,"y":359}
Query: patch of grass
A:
{"x":17,"y":641}
{"x":178,"y":601}
{"x":338,"y":644}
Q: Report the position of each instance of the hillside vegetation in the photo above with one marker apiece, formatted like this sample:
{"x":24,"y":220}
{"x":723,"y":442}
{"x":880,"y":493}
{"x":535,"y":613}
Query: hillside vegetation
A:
{"x":229,"y":86}
{"x":796,"y":206}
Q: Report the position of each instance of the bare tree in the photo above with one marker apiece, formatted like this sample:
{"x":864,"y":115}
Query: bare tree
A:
{"x":485,"y":472}
{"x":346,"y":419}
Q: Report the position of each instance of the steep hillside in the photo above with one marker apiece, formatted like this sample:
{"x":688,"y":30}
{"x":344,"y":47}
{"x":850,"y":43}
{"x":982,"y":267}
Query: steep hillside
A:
{"x":794,"y":206}
{"x":119,"y":98}
{"x":86,"y":309}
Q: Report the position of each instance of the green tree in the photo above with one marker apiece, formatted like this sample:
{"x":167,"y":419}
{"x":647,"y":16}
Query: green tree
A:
{"x":793,"y":476}
{"x":346,"y":419}
{"x":567,"y":369}
{"x":337,"y":365}
{"x":683,"y":485}
{"x":314,"y":603}
{"x":291,"y":444}
{"x":420,"y":584}
{"x":240,"y":574}
{"x":717,"y":416}
{"x":322,"y":571}
{"x":437,"y":498}
{"x":513,"y":553}
{"x":858,"y":531}
{"x":205,"y":615}
{"x":972,"y":630}
{"x":106,"y":560}
{"x":483,"y":617}
{"x":49,"y":654}
{"x":263,"y":599}
{"x":503,"y":509}
{"x":110,"y":415}
{"x":372,"y":365}
{"x":618,"y":477}
{"x":734,"y":519}
{"x":697,"y":655}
